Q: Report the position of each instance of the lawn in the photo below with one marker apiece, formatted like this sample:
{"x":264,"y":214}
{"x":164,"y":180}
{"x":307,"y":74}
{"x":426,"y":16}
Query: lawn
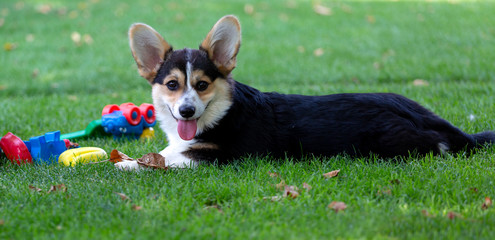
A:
{"x":62,"y":61}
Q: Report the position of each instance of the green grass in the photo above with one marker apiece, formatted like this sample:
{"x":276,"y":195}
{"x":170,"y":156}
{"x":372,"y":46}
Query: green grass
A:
{"x":47,"y":83}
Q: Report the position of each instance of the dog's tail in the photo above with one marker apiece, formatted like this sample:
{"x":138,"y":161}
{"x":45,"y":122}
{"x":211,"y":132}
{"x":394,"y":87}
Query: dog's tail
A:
{"x":484,"y":138}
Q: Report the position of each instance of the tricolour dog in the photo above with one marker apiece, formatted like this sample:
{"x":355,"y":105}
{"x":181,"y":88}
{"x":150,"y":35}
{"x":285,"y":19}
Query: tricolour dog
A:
{"x":208,"y":116}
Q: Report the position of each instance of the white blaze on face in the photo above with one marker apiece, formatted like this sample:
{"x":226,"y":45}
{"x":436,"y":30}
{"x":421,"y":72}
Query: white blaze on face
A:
{"x":187,"y":128}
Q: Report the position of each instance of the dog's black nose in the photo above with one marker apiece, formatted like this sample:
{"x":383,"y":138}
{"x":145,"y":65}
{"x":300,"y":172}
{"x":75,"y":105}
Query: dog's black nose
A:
{"x":187,"y":111}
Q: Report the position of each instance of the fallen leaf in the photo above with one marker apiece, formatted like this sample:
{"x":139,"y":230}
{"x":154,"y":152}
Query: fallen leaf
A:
{"x":123,"y":196}
{"x":60,"y":187}
{"x":44,"y":9}
{"x":116,"y":156}
{"x":452,"y":215}
{"x":395,"y":181}
{"x":249,"y":9}
{"x":384,"y":191}
{"x":281,"y":185}
{"x":216,"y":207}
{"x":2,"y":222}
{"x":426,"y":213}
{"x":488,"y":203}
{"x":307,"y":187}
{"x":76,"y":38}
{"x":154,"y":160}
{"x":136,"y":207}
{"x":301,"y":49}
{"x":319,"y":52}
{"x":8,"y":46}
{"x":370,"y":19}
{"x":291,"y":191}
{"x":274,"y":198}
{"x":337,"y":206}
{"x":87,"y":39}
{"x":273,"y":174}
{"x":35,"y":189}
{"x":331,"y":174}
{"x":29,"y":38}
{"x":420,"y":83}
{"x":322,"y":10}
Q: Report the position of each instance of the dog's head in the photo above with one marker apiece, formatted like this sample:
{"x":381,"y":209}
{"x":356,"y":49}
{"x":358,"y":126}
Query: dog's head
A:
{"x":191,"y":89}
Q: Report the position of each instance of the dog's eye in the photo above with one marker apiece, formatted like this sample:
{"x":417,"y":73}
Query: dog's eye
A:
{"x":173,"y":85}
{"x":201,"y":85}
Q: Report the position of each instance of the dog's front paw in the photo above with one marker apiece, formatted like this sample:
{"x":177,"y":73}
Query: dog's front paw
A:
{"x":126,"y":165}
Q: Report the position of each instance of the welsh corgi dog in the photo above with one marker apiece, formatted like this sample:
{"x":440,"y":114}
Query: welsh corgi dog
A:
{"x":208,"y":116}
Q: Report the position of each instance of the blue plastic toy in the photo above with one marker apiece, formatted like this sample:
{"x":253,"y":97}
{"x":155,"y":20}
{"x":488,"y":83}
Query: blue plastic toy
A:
{"x":46,"y":148}
{"x":128,"y":120}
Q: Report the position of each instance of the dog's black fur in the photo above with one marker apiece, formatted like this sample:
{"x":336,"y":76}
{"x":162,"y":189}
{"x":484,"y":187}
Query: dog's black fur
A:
{"x":355,"y":123}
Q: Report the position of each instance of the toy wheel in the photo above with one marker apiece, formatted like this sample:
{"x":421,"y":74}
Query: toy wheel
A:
{"x":109,"y":109}
{"x":131,"y":113}
{"x":148,"y":112}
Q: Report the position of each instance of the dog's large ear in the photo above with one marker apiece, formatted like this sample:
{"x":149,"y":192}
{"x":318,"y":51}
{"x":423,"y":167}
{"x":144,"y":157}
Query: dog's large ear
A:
{"x":148,"y":49}
{"x":222,"y":43}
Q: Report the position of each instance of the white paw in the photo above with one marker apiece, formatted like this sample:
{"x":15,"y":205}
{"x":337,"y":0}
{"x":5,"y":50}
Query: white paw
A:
{"x":174,"y":157}
{"x":128,"y":166}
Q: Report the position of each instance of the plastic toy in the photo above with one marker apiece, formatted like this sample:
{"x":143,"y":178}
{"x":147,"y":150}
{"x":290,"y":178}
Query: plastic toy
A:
{"x":46,"y":148}
{"x":15,"y":149}
{"x":126,"y":120}
{"x":38,"y":149}
{"x":75,"y":156}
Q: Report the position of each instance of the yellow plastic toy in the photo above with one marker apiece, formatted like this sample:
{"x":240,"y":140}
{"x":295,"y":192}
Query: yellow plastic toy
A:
{"x":75,"y":156}
{"x":148,"y":134}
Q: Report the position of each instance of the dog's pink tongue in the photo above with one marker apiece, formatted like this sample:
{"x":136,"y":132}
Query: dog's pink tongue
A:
{"x":187,"y":129}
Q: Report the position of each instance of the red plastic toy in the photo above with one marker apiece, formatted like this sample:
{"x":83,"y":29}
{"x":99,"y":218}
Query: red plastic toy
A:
{"x":15,"y":149}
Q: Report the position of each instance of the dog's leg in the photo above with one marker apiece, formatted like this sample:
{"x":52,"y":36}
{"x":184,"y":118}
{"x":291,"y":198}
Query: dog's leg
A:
{"x":174,"y":156}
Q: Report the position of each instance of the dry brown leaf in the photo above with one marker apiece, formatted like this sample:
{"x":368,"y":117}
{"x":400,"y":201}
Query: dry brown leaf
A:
{"x":117,"y":156}
{"x":281,"y":186}
{"x":370,"y":19}
{"x":452,"y":215}
{"x":426,"y":213}
{"x":136,"y":207}
{"x":154,"y":160}
{"x":291,"y":191}
{"x":319,"y":52}
{"x":122,"y":196}
{"x":331,"y":174}
{"x":307,"y":187}
{"x":2,"y":222}
{"x":337,"y":206}
{"x":8,"y":46}
{"x":395,"y":182}
{"x":76,"y":38}
{"x":44,"y":8}
{"x":35,"y":189}
{"x":488,"y":203}
{"x":60,"y":187}
{"x":216,"y":207}
{"x":249,"y":9}
{"x":273,"y":174}
{"x":384,"y":191}
{"x":322,"y":10}
{"x":420,"y":83}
